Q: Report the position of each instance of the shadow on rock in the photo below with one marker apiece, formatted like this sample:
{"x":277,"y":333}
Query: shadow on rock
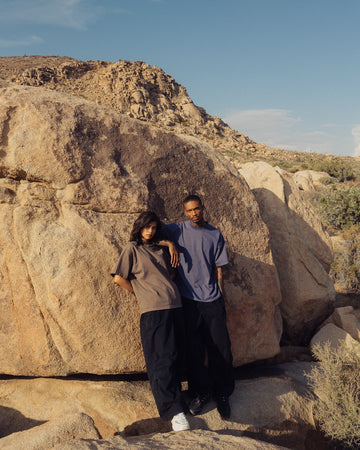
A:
{"x":146,"y":426}
{"x":156,"y":425}
{"x":12,"y":421}
{"x":291,"y":434}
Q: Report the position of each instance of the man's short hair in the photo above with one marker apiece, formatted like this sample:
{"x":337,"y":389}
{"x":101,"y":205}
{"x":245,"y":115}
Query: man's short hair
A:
{"x":192,"y":197}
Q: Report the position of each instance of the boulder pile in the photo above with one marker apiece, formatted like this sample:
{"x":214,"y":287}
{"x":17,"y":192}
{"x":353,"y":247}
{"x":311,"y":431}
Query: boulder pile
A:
{"x":73,"y":177}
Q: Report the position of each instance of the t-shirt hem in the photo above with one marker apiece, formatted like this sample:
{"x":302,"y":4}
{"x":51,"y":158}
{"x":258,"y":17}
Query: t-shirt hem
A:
{"x":160,"y":308}
{"x":201,"y":300}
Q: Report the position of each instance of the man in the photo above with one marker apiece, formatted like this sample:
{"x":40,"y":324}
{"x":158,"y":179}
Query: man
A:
{"x":199,"y":279}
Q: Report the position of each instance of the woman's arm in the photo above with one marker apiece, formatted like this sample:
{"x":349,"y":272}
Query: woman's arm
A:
{"x":123,"y":282}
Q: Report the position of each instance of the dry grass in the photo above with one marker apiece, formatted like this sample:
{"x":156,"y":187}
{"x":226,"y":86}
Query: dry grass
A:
{"x":336,"y":381}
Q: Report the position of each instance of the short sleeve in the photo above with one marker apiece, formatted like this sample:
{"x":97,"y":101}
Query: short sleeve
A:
{"x":221,"y":256}
{"x":125,"y":263}
{"x":171,"y":232}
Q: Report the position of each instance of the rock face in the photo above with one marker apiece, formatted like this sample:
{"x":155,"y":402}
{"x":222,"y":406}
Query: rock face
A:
{"x":53,"y":433}
{"x":136,"y":89}
{"x":51,"y":409}
{"x":140,"y":91}
{"x":342,"y":325}
{"x":347,"y":319}
{"x":301,"y":249}
{"x":334,"y":336}
{"x":73,"y":177}
{"x":308,"y":180}
{"x":196,"y":440}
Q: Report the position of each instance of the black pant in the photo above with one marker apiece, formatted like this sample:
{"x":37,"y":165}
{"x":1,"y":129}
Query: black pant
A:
{"x":162,"y":337}
{"x":207,"y":334}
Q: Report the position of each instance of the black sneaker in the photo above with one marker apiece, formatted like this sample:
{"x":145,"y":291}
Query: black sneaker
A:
{"x":197,"y":404}
{"x":223,"y":407}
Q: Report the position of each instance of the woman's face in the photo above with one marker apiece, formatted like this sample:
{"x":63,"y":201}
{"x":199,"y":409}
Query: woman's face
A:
{"x":148,"y":232}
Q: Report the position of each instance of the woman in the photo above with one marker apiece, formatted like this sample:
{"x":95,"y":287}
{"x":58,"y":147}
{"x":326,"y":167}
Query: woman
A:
{"x":144,"y":268}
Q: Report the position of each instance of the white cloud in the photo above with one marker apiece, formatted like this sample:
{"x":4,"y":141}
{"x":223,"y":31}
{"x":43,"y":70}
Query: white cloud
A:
{"x":5,"y":43}
{"x":67,"y":13}
{"x":266,"y":125}
{"x":280,"y":129}
{"x":356,"y":135}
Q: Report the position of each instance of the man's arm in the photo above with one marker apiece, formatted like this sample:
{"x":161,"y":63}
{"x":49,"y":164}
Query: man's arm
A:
{"x":174,"y":254}
{"x":123,"y":282}
{"x":219,"y":277}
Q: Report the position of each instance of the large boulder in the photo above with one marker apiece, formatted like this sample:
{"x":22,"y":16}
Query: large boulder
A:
{"x":308,"y":180}
{"x":73,"y":177}
{"x":346,"y":318}
{"x":334,"y":336}
{"x":301,"y":248}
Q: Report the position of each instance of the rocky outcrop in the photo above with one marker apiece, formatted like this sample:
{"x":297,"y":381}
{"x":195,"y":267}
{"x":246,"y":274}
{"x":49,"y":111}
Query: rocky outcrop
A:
{"x":334,"y":336}
{"x":149,"y":94}
{"x":140,"y":91}
{"x":346,"y":317}
{"x":262,"y":408}
{"x":73,"y":176}
{"x":342,"y":325}
{"x":301,"y":248}
{"x":52,"y":434}
{"x":136,"y":89}
{"x":197,"y":440}
{"x":308,"y":180}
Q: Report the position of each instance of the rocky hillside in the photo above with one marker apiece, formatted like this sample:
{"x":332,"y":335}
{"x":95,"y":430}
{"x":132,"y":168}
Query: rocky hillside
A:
{"x":74,"y":173}
{"x":146,"y":93}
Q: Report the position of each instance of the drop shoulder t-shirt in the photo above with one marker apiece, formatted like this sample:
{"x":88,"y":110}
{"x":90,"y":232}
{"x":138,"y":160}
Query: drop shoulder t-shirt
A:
{"x":148,"y":269}
{"x":201,"y":251}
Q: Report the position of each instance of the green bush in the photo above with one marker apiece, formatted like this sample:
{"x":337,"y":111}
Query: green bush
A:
{"x":345,"y":269}
{"x":340,"y":207}
{"x":328,"y":180}
{"x":335,"y":168}
{"x":282,"y":164}
{"x":336,"y":382}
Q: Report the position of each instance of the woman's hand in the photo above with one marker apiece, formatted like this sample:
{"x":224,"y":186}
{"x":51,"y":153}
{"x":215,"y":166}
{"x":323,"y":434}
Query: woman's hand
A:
{"x":174,"y":255}
{"x":123,"y":282}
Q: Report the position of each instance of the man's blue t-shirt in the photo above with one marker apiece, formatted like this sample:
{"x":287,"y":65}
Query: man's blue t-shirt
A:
{"x":201,"y":251}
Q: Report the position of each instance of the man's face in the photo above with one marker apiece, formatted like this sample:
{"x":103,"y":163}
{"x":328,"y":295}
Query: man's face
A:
{"x":194,"y":210}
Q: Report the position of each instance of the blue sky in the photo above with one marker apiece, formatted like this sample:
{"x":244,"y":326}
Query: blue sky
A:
{"x":284,"y":72}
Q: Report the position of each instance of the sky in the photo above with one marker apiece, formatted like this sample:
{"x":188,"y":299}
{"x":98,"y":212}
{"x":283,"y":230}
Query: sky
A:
{"x":283,"y":72}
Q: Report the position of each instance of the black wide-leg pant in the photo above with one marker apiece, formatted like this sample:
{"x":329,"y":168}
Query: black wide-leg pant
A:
{"x":162,"y":338}
{"x":207,"y":335}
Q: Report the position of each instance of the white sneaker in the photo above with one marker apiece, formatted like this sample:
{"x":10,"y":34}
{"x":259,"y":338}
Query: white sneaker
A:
{"x":180,"y":422}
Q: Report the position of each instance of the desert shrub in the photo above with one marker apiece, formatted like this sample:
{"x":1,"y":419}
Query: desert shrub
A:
{"x":282,"y":164}
{"x":345,"y":269}
{"x":285,"y":165}
{"x":335,"y":168}
{"x":340,"y":207}
{"x":336,"y":382}
{"x":328,"y":180}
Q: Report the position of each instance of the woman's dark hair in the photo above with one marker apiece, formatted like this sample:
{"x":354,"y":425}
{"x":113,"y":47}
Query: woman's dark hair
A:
{"x":143,"y":221}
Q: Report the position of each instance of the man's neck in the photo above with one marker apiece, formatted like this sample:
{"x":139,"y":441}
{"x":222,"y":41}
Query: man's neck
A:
{"x":198,"y":225}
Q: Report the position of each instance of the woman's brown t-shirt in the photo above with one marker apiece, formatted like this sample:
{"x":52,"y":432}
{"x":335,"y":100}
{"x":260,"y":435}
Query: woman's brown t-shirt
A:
{"x":148,"y":269}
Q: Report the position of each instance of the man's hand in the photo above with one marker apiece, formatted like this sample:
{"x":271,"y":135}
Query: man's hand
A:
{"x":174,"y":254}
